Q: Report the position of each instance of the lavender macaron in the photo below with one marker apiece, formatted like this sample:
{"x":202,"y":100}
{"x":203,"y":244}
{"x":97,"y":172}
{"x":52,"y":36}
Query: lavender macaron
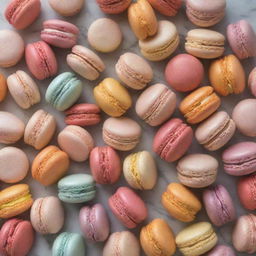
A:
{"x":221,"y":250}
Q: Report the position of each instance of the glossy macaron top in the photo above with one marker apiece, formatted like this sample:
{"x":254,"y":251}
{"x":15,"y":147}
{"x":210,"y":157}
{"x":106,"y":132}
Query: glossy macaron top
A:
{"x":221,"y":250}
{"x":167,"y":7}
{"x":67,"y":8}
{"x":113,"y":7}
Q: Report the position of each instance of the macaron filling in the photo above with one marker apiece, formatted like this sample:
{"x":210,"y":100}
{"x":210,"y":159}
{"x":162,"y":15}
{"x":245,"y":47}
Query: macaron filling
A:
{"x":153,"y":241}
{"x":15,"y":8}
{"x":227,"y":75}
{"x":203,"y":44}
{"x":104,"y":165}
{"x":16,"y":201}
{"x":58,"y":33}
{"x":91,"y":231}
{"x":64,"y":243}
{"x":134,"y":171}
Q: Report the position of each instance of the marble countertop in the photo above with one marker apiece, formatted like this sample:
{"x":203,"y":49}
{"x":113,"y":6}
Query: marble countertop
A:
{"x":236,"y":10}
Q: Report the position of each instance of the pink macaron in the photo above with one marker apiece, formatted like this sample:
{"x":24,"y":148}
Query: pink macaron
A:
{"x":59,"y":33}
{"x":113,"y":7}
{"x":128,"y":207}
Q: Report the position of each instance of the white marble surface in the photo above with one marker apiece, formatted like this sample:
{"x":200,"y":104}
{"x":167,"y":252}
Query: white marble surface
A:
{"x":236,"y":10}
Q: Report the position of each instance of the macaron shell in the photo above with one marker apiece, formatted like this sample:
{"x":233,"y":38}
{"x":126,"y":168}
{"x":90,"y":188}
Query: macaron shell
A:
{"x":113,"y":7}
{"x":168,"y":8}
{"x":3,"y":87}
{"x":222,"y":250}
{"x":67,"y":8}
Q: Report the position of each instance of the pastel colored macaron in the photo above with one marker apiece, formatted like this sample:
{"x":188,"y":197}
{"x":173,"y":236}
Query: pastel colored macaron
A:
{"x":239,"y":159}
{"x":12,"y":48}
{"x":205,"y":43}
{"x":142,"y":19}
{"x":64,"y":91}
{"x":15,"y":200}
{"x":205,"y":13}
{"x":172,"y":140}
{"x":16,"y":237}
{"x":22,"y":13}
{"x":128,"y":207}
{"x":162,"y":44}
{"x":244,"y":235}
{"x":41,"y":60}
{"x":246,"y":189}
{"x":156,"y":104}
{"x":23,"y":89}
{"x":76,"y":188}
{"x":113,"y":98}
{"x":49,"y":165}
{"x":76,"y":142}
{"x":113,"y":7}
{"x":184,"y":72}
{"x":47,"y":215}
{"x":104,"y":35}
{"x":157,"y":234}
{"x":67,"y":8}
{"x":242,"y":39}
{"x":85,"y":62}
{"x":133,"y":70}
{"x":105,"y":165}
{"x":40,"y":129}
{"x":13,"y":171}
{"x":69,"y":244}
{"x":140,"y":170}
{"x":11,"y":128}
{"x":219,"y":205}
{"x":196,"y":239}
{"x":94,"y":223}
{"x":252,"y":82}
{"x":216,"y":131}
{"x":121,"y":133}
{"x":3,"y":87}
{"x":125,"y":242}
{"x":167,"y":7}
{"x":59,"y":33}
{"x":227,"y":75}
{"x":221,"y":250}
{"x":199,"y":104}
{"x":197,"y":170}
{"x":180,"y":202}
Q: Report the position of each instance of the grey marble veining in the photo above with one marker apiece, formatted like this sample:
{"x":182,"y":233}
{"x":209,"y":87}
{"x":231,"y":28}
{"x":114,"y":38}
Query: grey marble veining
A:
{"x":236,"y":10}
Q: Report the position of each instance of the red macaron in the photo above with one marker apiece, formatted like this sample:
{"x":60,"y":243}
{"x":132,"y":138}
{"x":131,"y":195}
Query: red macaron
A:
{"x":113,"y":6}
{"x":166,"y":7}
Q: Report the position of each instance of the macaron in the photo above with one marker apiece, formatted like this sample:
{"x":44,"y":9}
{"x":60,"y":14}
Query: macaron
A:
{"x":113,"y":7}
{"x":23,"y":89}
{"x":227,"y":75}
{"x":14,"y":165}
{"x":184,"y":72}
{"x":157,"y":236}
{"x":128,"y":207}
{"x":76,"y":142}
{"x":219,"y":205}
{"x":196,"y":239}
{"x":166,"y":7}
{"x":239,"y":159}
{"x":216,"y":131}
{"x":47,"y":215}
{"x":3,"y":87}
{"x":197,"y":170}
{"x":11,"y":48}
{"x":40,"y":129}
{"x":63,"y":91}
{"x":205,"y":43}
{"x":76,"y":188}
{"x":94,"y":223}
{"x":59,"y":33}
{"x":105,"y":165}
{"x":205,"y":13}
{"x":85,"y":62}
{"x":70,"y":244}
{"x":244,"y":118}
{"x":252,"y":82}
{"x":242,"y":39}
{"x":15,"y":200}
{"x":125,"y":242}
{"x":11,"y":128}
{"x":246,"y":189}
{"x":113,"y":98}
{"x":156,"y":104}
{"x":142,"y":19}
{"x":49,"y":165}
{"x":172,"y":140}
{"x":16,"y":237}
{"x":104,"y":35}
{"x":121,"y":133}
{"x":133,"y":71}
{"x":21,"y":13}
{"x":140,"y":170}
{"x":244,"y":235}
{"x":162,"y":44}
{"x":41,"y":60}
{"x":199,"y":104}
{"x":221,"y":250}
{"x":180,"y":202}
{"x":67,"y":8}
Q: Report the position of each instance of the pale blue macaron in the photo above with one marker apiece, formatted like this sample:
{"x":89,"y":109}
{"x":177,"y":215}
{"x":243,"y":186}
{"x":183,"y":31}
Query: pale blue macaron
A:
{"x":68,"y":244}
{"x":64,"y":91}
{"x":76,"y":188}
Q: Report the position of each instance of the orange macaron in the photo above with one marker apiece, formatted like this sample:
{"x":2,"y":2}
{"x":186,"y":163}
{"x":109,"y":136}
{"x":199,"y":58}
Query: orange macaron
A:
{"x":3,"y":87}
